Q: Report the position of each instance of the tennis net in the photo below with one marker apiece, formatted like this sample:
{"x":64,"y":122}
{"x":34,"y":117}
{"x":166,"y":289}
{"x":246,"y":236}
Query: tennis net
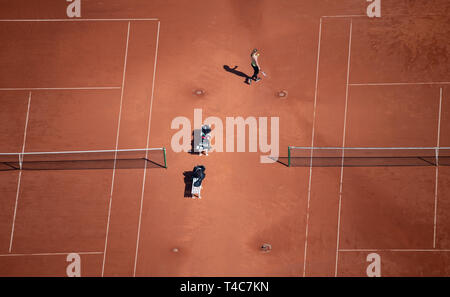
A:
{"x":85,"y":160}
{"x":367,"y":156}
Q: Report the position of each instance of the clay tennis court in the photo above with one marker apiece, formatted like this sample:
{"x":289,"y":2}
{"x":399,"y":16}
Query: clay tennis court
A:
{"x":113,"y":80}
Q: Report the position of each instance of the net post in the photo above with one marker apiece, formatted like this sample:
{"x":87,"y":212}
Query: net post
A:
{"x":289,"y":156}
{"x":437,"y":156}
{"x":20,"y":161}
{"x":165,"y":158}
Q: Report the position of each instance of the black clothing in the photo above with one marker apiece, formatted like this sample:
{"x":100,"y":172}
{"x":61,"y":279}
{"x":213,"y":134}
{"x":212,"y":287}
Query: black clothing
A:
{"x":199,"y":172}
{"x":256,"y":71}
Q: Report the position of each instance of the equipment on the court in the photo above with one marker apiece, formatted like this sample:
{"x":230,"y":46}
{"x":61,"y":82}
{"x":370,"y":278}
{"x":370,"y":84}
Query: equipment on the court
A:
{"x":201,"y":142}
{"x":83,"y":160}
{"x":366,"y":156}
{"x":198,"y":174}
{"x":263,"y":73}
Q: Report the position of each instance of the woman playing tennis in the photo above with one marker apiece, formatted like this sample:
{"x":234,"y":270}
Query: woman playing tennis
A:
{"x":255,"y":65}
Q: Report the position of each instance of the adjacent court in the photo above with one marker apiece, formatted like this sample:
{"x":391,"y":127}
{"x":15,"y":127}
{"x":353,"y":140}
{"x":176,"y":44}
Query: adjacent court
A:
{"x":65,"y":117}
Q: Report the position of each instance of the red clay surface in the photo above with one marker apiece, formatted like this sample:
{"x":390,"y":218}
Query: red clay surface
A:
{"x":103,"y":94}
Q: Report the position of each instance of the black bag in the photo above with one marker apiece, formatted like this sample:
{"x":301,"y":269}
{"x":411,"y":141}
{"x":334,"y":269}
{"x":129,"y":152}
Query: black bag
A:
{"x":199,"y":172}
{"x":206,"y":130}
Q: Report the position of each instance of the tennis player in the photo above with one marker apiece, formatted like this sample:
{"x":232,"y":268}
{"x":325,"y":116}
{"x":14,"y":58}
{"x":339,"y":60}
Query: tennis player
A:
{"x":255,"y":65}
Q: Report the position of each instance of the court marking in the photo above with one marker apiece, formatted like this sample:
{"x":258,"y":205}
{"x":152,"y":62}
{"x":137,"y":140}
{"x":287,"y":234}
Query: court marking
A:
{"x":51,"y":254}
{"x":117,"y":146}
{"x":20,"y":173}
{"x":345,"y":16}
{"x":399,"y":83}
{"x":69,"y":88}
{"x":374,"y":148}
{"x":393,"y":250}
{"x":146,"y":156}
{"x":79,"y":20}
{"x":312,"y":145}
{"x":383,"y":16}
{"x":343,"y":145}
{"x":437,"y":170}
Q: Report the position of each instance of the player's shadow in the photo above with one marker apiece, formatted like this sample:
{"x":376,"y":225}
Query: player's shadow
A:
{"x":188,"y":176}
{"x":237,"y":72}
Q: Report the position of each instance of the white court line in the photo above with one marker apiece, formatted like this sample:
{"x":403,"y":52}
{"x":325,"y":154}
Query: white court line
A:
{"x":79,"y":20}
{"x":117,"y":145}
{"x":148,"y":139}
{"x":437,"y":171}
{"x":25,"y":132}
{"x":343,"y":146}
{"x":392,"y":250}
{"x":312,"y":145}
{"x":20,"y":173}
{"x":383,"y":16}
{"x":399,"y":83}
{"x":345,"y":16}
{"x":372,"y":148}
{"x":51,"y":254}
{"x":15,"y":211}
{"x":74,"y":88}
